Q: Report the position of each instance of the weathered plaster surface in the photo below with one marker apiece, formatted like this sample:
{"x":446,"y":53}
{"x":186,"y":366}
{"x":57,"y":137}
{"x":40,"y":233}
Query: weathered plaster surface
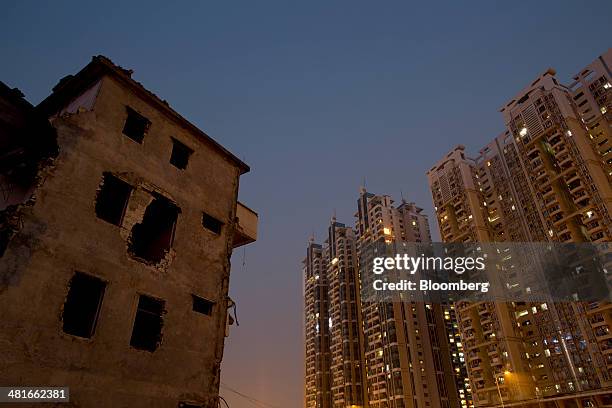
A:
{"x":59,"y":234}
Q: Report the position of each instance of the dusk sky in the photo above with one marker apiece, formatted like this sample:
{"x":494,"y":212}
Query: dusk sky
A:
{"x":315,"y":97}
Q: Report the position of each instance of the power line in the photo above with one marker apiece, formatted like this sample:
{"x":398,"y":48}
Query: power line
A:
{"x":248,"y":398}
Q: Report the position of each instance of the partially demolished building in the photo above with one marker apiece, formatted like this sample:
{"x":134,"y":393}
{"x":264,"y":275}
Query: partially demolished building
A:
{"x":117,"y":222}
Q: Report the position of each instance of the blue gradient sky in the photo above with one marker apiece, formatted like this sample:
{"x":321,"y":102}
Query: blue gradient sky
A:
{"x":315,"y":96}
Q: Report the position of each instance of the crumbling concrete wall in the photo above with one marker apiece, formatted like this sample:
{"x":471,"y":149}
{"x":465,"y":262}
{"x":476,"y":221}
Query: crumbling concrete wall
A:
{"x":60,"y":234}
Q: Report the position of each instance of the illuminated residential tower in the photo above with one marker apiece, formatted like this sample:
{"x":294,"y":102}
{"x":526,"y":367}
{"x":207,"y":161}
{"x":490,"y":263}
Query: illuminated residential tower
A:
{"x":408,"y":353}
{"x":544,"y":179}
{"x":346,"y":335}
{"x":317,"y":388}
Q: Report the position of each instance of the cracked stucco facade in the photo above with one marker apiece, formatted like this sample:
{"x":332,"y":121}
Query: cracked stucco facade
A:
{"x":60,"y":234}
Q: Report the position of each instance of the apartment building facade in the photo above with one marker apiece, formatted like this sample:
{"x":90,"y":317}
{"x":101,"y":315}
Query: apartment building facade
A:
{"x":569,"y":175}
{"x":544,"y":179}
{"x":114,"y":258}
{"x":566,"y":149}
{"x":317,"y":378}
{"x":590,"y":91}
{"x":335,"y":369}
{"x":346,"y":335}
{"x":391,"y":354}
{"x":408,"y":349}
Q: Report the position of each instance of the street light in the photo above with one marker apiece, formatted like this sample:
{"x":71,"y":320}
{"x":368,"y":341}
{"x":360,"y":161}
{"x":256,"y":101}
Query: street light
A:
{"x":498,"y":389}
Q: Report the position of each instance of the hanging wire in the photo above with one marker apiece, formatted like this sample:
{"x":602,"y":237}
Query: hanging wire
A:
{"x":253,"y":400}
{"x":235,"y":308}
{"x":224,"y":401}
{"x":244,"y":259}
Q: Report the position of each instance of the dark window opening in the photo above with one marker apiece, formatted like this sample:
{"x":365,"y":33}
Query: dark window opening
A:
{"x":152,"y":238}
{"x":147,"y":331}
{"x":82,"y":306}
{"x":112,"y":199}
{"x":5,"y":237}
{"x":10,"y":224}
{"x":180,"y":154}
{"x":201,"y":305}
{"x":136,"y":125}
{"x":212,"y":224}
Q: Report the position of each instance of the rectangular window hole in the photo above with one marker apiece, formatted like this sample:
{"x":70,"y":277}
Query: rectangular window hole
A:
{"x":82,"y":306}
{"x":180,"y":154}
{"x":201,"y":305}
{"x":211,"y":223}
{"x":136,"y":125}
{"x":147,"y":330}
{"x":112,"y":199}
{"x":152,"y":238}
{"x":5,"y":237}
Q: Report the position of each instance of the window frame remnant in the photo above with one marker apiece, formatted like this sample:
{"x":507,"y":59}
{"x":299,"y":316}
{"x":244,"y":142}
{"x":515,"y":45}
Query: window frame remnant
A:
{"x":83,"y":305}
{"x":181,"y":153}
{"x":212,"y":224}
{"x":202,"y":305}
{"x":112,"y":199}
{"x":136,"y":125}
{"x":148,"y":323}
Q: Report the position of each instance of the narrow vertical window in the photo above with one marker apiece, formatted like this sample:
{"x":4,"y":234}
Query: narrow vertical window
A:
{"x":82,"y":305}
{"x":112,"y":199}
{"x":147,"y":330}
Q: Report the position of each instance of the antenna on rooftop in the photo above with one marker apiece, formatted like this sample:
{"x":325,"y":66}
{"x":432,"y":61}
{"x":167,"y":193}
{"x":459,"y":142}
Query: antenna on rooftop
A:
{"x":362,"y":188}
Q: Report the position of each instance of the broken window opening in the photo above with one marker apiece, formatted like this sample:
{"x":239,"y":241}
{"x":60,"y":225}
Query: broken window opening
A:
{"x":136,"y":125}
{"x":148,"y":323}
{"x":152,"y":238}
{"x":5,"y":237}
{"x":180,"y":154}
{"x":112,"y":199}
{"x":82,"y":306}
{"x":212,"y":224}
{"x":10,"y":224}
{"x":188,"y":405}
{"x":201,"y":305}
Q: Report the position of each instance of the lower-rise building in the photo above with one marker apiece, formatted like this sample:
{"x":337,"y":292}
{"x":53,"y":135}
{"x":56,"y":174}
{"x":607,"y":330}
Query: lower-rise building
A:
{"x":117,"y":221}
